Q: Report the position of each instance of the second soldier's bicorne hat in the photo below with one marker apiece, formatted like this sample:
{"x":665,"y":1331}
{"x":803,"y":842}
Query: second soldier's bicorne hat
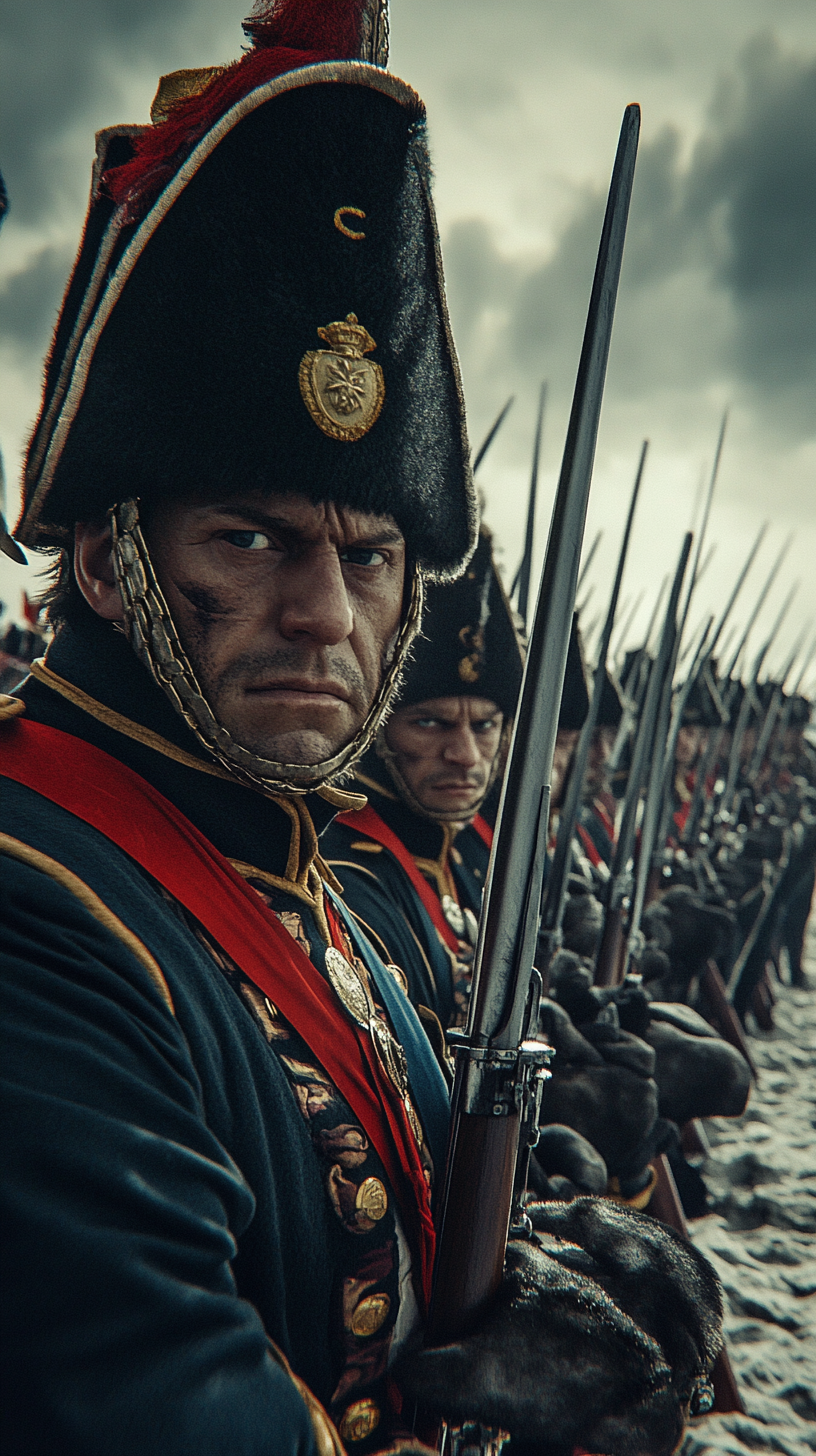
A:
{"x":575,"y":696}
{"x":469,"y":646}
{"x":610,"y":711}
{"x":258,"y":305}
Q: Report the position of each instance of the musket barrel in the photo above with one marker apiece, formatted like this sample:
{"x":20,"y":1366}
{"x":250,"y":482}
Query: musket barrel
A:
{"x":485,"y":1138}
{"x":555,"y":890}
{"x":527,"y":559}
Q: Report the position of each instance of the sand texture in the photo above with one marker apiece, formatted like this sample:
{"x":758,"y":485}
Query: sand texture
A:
{"x":761,"y":1238}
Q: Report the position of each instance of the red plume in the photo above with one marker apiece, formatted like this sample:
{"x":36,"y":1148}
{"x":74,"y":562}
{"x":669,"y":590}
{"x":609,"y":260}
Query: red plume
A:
{"x":286,"y":34}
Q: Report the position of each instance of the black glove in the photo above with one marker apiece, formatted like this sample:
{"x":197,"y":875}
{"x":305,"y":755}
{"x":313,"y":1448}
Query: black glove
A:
{"x":565,"y":1165}
{"x":601,"y":1084}
{"x":600,"y":1342}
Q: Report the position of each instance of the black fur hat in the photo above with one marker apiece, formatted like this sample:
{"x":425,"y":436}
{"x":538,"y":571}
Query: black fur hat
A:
{"x":273,"y":318}
{"x":469,"y":646}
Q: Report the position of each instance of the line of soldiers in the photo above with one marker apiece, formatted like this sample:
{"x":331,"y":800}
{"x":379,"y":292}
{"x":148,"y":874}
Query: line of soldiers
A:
{"x":247,"y":814}
{"x":638,"y":1061}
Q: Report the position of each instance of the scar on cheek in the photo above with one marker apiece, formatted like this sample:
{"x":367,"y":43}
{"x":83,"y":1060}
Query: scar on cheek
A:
{"x":207,"y":604}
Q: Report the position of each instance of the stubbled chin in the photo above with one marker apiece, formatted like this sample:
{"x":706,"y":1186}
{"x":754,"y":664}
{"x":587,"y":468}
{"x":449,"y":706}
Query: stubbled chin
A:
{"x":301,"y":749}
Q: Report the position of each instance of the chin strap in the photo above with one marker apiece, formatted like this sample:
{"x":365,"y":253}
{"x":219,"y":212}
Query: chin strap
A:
{"x":384,"y":751}
{"x":154,"y":639}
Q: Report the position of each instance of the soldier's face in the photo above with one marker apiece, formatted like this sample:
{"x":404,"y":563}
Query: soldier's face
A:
{"x":689,"y":742}
{"x":444,"y":750}
{"x":287,"y":610}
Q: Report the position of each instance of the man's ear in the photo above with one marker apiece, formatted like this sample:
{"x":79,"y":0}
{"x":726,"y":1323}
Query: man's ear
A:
{"x":93,"y":568}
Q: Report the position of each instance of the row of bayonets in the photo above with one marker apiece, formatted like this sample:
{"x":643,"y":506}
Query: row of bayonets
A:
{"x":653,"y":711}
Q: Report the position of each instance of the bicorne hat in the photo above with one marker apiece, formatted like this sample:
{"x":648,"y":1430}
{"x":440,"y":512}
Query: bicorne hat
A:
{"x":258,"y":299}
{"x":469,"y":646}
{"x":575,"y":697}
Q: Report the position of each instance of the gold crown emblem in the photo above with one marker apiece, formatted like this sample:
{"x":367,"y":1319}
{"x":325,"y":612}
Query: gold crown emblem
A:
{"x":348,"y":337}
{"x":342,"y":390}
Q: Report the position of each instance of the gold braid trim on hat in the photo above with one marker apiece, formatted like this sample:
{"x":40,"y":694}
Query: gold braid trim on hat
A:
{"x":154,"y":639}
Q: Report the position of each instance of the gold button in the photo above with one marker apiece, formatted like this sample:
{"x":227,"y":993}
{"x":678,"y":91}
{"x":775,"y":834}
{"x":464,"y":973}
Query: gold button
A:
{"x":370,"y":1315}
{"x":361,"y":1418}
{"x":372,"y":1199}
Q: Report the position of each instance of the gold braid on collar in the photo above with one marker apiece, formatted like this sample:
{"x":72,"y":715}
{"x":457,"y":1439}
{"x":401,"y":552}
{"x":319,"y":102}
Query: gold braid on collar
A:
{"x":156,"y":643}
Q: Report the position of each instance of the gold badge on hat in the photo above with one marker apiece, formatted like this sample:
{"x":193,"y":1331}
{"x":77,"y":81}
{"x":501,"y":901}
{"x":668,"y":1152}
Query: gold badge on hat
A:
{"x":342,"y":390}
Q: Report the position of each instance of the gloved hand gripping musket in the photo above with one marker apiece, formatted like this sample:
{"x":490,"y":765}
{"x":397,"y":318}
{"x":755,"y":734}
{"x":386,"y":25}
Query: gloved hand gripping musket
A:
{"x":499,"y":1068}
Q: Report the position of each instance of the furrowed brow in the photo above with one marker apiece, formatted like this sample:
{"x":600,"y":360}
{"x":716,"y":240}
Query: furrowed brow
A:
{"x":387,"y":535}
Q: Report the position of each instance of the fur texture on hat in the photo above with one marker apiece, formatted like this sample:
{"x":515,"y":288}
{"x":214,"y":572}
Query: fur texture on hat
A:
{"x":176,"y":363}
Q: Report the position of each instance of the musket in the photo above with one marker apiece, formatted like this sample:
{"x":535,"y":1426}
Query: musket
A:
{"x":582,"y":606}
{"x":499,"y":1067}
{"x":695,"y":570}
{"x":611,"y":946}
{"x":525,"y":568}
{"x":710,"y":754}
{"x":555,"y":890}
{"x":588,"y":560}
{"x":727,"y":609}
{"x":758,"y":605}
{"x":779,"y":748}
{"x":634,"y":689}
{"x":631,"y":613}
{"x":715,"y":807}
{"x":491,"y":434}
{"x":728,"y":803}
{"x":774,"y":707}
{"x":654,"y":831}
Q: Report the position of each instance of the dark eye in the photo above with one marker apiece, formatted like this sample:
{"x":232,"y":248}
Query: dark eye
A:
{"x":426,"y":722}
{"x":362,"y":556}
{"x":485,"y":725}
{"x":248,"y":540}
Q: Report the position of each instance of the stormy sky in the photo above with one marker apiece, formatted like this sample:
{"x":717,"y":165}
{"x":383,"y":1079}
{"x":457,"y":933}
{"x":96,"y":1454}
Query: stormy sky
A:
{"x":718,"y":296}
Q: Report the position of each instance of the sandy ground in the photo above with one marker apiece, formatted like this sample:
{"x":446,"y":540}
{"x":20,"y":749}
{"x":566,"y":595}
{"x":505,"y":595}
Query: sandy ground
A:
{"x":761,"y":1238}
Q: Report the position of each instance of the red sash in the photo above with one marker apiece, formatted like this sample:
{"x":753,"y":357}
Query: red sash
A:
{"x":593,"y":854}
{"x":369,"y":822}
{"x":483,"y":830}
{"x":121,"y":805}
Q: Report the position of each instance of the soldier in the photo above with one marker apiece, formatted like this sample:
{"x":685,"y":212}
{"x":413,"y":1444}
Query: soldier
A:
{"x":413,"y":862}
{"x":224,"y":1124}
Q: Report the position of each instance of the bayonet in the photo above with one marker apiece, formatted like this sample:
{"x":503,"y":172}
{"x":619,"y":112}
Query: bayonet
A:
{"x":491,"y":434}
{"x":555,"y":890}
{"x":523,"y":573}
{"x":590,"y":557}
{"x":758,"y":605}
{"x":499,"y":1066}
{"x":611,"y":947}
{"x":738,"y":586}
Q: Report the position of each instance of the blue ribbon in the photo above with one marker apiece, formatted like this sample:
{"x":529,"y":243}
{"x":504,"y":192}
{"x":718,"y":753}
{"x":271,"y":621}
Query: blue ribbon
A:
{"x":428,"y":1088}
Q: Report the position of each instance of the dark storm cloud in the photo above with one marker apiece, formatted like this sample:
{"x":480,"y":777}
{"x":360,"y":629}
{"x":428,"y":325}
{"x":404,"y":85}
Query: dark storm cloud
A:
{"x":760,"y":172}
{"x":29,"y":300}
{"x":58,"y":59}
{"x":719,"y":278}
